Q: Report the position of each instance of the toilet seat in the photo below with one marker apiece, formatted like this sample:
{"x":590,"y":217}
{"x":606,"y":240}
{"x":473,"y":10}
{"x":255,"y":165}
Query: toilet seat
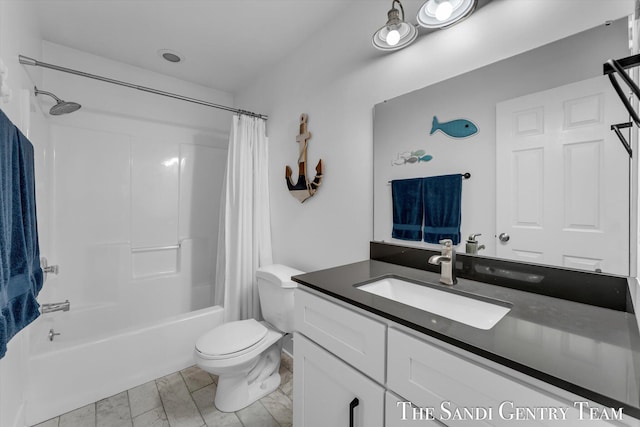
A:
{"x":231,"y":339}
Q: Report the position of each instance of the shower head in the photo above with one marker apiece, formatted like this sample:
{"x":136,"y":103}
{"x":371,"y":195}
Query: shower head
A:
{"x":61,"y":107}
{"x":64,"y":108}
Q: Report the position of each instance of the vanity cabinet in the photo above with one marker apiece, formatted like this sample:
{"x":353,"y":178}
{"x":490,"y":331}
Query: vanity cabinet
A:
{"x":342,"y":353}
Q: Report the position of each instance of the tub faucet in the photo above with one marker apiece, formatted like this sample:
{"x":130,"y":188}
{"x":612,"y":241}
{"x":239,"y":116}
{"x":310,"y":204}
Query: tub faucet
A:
{"x":56,"y":306}
{"x":447,"y":262}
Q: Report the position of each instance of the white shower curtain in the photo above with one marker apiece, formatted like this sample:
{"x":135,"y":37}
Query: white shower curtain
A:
{"x":244,"y":242}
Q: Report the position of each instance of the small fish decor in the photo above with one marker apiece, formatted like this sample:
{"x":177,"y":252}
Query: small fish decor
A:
{"x":411,"y":157}
{"x":459,"y":128}
{"x":303,"y":189}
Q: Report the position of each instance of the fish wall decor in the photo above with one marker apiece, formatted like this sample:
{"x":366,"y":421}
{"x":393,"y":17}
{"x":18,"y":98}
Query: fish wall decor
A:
{"x":303,"y":189}
{"x":411,"y":157}
{"x":459,"y":128}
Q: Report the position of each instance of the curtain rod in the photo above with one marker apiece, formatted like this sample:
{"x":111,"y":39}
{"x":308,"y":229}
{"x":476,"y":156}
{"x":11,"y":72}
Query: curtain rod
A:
{"x":30,"y":61}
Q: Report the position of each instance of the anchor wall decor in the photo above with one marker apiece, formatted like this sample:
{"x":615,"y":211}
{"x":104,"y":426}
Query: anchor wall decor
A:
{"x":303,"y":189}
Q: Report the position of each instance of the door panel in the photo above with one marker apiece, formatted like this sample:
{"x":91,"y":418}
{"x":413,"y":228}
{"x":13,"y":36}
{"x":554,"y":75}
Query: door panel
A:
{"x":562,"y":180}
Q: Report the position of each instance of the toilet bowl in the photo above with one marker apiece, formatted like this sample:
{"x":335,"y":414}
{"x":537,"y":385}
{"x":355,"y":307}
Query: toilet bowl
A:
{"x":245,"y":354}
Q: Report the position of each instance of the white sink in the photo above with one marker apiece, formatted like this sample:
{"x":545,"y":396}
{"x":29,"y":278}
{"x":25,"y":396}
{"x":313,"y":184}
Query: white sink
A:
{"x":468,"y":310}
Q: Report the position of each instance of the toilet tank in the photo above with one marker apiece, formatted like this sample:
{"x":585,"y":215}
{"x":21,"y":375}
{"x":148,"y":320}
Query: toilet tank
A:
{"x":275,"y":288}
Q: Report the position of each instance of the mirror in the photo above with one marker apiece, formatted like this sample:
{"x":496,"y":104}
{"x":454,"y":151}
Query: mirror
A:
{"x":493,"y":98}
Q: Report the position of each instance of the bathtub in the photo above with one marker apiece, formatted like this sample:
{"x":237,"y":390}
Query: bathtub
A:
{"x":87,"y":363}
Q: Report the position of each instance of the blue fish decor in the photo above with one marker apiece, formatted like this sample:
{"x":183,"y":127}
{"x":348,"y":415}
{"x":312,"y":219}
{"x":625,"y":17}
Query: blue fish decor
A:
{"x":459,"y":128}
{"x":411,"y":157}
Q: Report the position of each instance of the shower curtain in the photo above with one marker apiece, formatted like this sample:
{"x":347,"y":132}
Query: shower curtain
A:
{"x":245,"y":228}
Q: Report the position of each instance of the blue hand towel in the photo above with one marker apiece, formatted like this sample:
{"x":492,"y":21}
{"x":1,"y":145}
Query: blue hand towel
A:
{"x":406,"y":195}
{"x":442,"y":208}
{"x":21,"y":277}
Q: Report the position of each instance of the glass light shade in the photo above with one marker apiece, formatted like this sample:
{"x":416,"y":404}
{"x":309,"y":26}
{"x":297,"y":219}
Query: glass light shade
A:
{"x":443,"y":13}
{"x":393,"y":37}
{"x":407,"y":33}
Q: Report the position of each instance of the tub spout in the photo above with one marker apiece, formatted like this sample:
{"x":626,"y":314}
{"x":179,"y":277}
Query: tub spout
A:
{"x":56,"y":306}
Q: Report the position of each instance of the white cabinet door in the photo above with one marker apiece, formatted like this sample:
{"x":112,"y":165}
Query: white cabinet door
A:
{"x":328,"y":392}
{"x":563,"y":178}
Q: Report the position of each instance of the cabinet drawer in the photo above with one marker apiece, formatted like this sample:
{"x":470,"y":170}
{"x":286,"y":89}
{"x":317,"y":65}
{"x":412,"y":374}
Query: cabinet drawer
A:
{"x":354,"y":338}
{"x":433,"y":377}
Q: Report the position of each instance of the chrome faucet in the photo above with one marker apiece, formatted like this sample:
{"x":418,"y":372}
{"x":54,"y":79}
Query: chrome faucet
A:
{"x":447,"y":262}
{"x":56,"y":306}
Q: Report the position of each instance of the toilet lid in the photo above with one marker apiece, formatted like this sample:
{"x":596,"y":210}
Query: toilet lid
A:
{"x":231,"y":337}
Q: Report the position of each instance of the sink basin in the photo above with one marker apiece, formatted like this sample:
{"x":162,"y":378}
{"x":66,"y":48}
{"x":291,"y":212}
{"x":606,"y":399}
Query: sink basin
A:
{"x":477,"y":312}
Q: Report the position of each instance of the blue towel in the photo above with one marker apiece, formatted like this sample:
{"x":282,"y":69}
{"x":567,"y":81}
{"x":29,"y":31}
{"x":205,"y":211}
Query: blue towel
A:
{"x":20,"y":273}
{"x":442,"y":208}
{"x":406,"y":195}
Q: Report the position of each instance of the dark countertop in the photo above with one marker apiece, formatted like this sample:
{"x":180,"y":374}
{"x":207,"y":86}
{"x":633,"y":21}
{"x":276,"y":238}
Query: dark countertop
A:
{"x":591,"y":351}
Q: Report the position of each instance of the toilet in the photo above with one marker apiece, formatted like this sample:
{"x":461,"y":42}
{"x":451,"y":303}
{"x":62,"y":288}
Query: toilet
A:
{"x":245,"y":354}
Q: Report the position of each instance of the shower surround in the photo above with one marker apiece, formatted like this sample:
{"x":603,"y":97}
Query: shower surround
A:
{"x":128,"y":194}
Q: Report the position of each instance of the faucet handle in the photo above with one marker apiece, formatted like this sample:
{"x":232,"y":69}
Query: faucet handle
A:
{"x":446,"y":242}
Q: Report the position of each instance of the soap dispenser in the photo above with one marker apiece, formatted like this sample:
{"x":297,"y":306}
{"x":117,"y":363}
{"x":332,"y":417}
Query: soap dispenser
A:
{"x":472,"y":246}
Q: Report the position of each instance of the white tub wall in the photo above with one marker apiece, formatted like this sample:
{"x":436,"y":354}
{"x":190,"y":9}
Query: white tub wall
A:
{"x":336,"y":77}
{"x":71,"y":377}
{"x":133,"y":170}
{"x":100,"y":213}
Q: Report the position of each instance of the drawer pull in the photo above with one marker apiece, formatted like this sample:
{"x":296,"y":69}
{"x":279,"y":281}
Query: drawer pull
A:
{"x":355,"y":402}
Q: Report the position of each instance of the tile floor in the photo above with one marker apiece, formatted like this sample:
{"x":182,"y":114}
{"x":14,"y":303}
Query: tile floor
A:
{"x":183,"y":399}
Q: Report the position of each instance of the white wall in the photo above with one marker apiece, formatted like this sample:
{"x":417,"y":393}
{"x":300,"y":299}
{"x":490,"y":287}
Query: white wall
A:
{"x":337,"y":77}
{"x":18,"y":34}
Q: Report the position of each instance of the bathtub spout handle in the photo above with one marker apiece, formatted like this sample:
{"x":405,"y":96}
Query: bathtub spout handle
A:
{"x":52,"y":334}
{"x":48,"y":269}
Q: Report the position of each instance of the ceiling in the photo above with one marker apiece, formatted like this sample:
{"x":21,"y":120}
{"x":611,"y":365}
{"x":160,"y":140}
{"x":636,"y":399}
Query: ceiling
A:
{"x":225,"y":43}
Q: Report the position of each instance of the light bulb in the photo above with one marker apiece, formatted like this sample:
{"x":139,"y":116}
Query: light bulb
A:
{"x":444,"y":11}
{"x":393,"y":37}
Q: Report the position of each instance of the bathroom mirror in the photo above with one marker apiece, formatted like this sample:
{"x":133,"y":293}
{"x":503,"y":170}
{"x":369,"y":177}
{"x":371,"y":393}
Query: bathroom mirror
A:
{"x":509,"y":189}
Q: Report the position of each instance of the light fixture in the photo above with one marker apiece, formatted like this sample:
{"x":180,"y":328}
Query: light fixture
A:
{"x":396,"y":33}
{"x":443,"y":13}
